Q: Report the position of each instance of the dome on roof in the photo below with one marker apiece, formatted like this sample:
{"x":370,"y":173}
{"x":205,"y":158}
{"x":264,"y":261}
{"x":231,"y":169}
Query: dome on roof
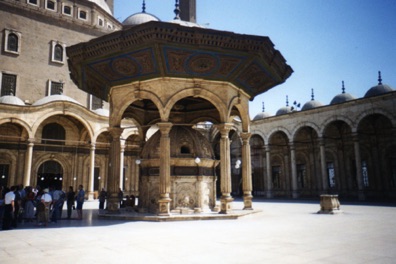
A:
{"x":342,"y":97}
{"x":10,"y":99}
{"x":284,"y":110}
{"x":311,"y":104}
{"x":261,"y":115}
{"x":378,"y":89}
{"x":55,"y":97}
{"x":103,"y":5}
{"x":102,"y":112}
{"x":139,"y":18}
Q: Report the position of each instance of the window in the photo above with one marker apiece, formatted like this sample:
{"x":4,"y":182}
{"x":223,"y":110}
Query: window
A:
{"x":8,"y":84}
{"x":100,"y":22}
{"x":300,"y":175}
{"x":33,"y":2}
{"x":67,"y":10}
{"x":58,"y":52}
{"x":55,"y":87}
{"x":96,"y":103}
{"x":53,"y":134}
{"x":83,"y":15}
{"x":51,"y":5}
{"x":365,"y":174}
{"x":12,"y":40}
{"x":276,"y":176}
{"x":331,"y":174}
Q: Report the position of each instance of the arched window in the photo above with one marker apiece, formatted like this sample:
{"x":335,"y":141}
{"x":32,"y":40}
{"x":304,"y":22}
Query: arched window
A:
{"x":58,"y":52}
{"x":53,"y":134}
{"x":12,"y":43}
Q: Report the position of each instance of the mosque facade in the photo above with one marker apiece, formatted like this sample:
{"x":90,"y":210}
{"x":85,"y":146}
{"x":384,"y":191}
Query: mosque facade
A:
{"x":54,"y":133}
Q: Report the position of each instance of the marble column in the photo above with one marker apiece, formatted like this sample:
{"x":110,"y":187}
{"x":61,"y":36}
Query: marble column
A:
{"x":122,"y":150}
{"x":225,"y":169}
{"x":269,"y":171}
{"x":91,"y":172}
{"x":325,"y":185}
{"x":28,"y":163}
{"x":113,"y":179}
{"x":358,"y":163}
{"x":293,"y":170}
{"x":165,"y":183}
{"x":246,"y":172}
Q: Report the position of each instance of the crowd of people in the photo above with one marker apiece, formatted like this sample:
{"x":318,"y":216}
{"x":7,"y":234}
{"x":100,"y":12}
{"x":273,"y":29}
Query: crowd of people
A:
{"x":40,"y":205}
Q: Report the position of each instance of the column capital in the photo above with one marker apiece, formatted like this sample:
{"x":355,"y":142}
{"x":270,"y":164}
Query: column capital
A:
{"x":115,"y":132}
{"x":291,"y":145}
{"x":224,"y":128}
{"x":245,"y":136}
{"x":267,"y":148}
{"x":165,"y":127}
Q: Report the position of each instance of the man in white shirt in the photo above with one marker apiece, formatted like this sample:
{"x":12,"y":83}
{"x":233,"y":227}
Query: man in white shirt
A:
{"x":9,"y":208}
{"x":46,"y":199}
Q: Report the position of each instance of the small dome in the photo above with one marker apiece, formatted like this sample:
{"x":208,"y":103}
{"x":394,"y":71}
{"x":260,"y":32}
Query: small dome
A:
{"x":311,"y":104}
{"x":378,"y":89}
{"x":102,"y":112}
{"x":103,"y":5}
{"x":139,"y":18}
{"x":342,"y":97}
{"x":55,"y":97}
{"x":10,"y":99}
{"x":261,"y":115}
{"x":284,"y":110}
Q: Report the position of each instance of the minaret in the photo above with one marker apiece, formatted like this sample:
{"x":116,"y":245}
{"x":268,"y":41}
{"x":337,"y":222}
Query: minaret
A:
{"x":188,"y":10}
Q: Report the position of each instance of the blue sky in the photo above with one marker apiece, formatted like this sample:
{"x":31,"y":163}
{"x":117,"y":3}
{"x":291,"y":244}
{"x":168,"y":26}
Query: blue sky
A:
{"x":324,"y":41}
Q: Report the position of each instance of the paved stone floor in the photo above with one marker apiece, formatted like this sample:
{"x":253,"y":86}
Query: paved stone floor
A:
{"x":283,"y":232}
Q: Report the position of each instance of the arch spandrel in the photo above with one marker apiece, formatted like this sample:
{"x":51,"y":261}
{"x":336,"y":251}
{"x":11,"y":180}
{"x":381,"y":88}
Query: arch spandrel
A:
{"x":242,"y":105}
{"x":331,"y":119}
{"x":300,"y":126}
{"x":200,"y":93}
{"x":373,"y":111}
{"x":25,"y":126}
{"x":276,"y":130}
{"x":64,"y":113}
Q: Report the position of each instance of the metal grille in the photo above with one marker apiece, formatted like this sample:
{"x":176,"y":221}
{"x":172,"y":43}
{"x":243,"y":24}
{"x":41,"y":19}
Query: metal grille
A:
{"x":8,"y":84}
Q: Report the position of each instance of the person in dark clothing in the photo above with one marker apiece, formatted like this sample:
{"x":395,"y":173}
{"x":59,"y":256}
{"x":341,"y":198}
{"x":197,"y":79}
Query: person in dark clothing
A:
{"x":102,"y":198}
{"x":9,"y":203}
{"x":17,"y":206}
{"x":70,"y":201}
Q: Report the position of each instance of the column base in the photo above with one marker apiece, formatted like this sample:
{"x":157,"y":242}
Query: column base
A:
{"x":247,"y":202}
{"x":226,"y":204}
{"x":270,"y":195}
{"x":113,"y":204}
{"x":361,"y":196}
{"x":295,"y":194}
{"x":164,"y":206}
{"x":91,"y":196}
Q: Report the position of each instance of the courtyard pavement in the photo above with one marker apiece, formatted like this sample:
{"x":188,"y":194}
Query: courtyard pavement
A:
{"x":281,"y":232}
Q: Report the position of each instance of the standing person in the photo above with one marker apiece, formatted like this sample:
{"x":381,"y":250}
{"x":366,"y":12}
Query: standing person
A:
{"x":102,"y":198}
{"x":80,"y":201}
{"x":120,"y":197}
{"x":70,"y":201}
{"x":9,"y":208}
{"x":46,"y":199}
{"x":17,"y":206}
{"x":57,"y":204}
{"x":29,"y":204}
